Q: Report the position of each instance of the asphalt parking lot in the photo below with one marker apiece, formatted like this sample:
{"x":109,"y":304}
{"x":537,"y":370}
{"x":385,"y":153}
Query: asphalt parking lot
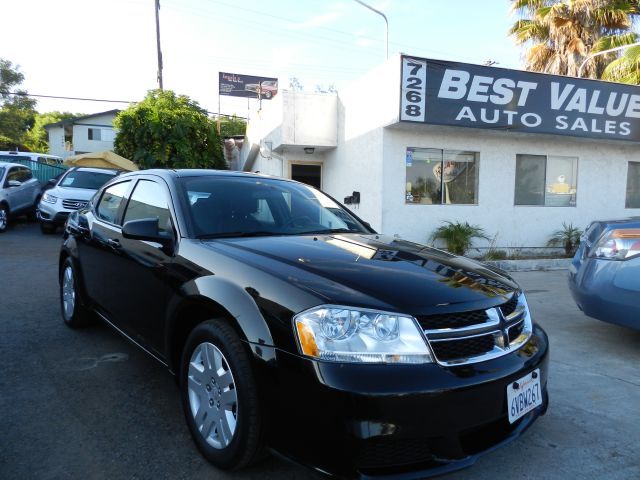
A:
{"x":88,"y":405}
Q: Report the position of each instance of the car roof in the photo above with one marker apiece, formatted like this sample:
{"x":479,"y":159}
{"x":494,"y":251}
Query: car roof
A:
{"x":200,"y":172}
{"x":28,"y":154}
{"x":9,"y":164}
{"x":95,"y":170}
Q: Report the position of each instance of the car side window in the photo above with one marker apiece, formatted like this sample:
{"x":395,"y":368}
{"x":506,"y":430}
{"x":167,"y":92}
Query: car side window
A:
{"x":25,"y":174}
{"x":14,"y":174}
{"x":110,"y":201}
{"x":149,"y":200}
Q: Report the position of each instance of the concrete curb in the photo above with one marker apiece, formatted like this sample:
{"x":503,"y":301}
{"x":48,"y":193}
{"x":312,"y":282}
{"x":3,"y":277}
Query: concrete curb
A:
{"x":531,"y":264}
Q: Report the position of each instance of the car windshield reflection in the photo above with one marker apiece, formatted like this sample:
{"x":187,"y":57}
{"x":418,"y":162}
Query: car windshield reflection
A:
{"x":243,"y":207}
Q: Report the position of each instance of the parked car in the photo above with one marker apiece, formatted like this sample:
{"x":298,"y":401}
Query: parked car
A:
{"x":42,"y":165}
{"x":267,"y":88}
{"x":604,"y":276}
{"x":290,"y":323}
{"x":68,"y":193}
{"x":19,"y":192}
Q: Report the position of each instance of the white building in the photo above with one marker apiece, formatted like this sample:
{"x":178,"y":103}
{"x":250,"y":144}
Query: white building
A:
{"x":86,"y":134}
{"x":424,"y":141}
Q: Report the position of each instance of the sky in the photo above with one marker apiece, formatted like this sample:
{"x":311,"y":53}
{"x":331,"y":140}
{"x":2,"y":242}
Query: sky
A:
{"x":107,"y":49}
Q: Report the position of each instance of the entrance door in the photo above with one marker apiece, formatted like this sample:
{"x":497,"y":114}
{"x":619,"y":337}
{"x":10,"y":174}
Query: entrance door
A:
{"x":309,"y":173}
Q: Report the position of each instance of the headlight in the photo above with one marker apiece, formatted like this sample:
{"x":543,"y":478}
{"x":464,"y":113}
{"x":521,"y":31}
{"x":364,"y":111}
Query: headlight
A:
{"x":345,"y":334}
{"x":618,"y":244}
{"x":47,"y":197}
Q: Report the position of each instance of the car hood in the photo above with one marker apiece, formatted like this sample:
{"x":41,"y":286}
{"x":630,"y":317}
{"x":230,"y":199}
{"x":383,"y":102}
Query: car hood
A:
{"x":67,"y":193}
{"x":374,"y":271}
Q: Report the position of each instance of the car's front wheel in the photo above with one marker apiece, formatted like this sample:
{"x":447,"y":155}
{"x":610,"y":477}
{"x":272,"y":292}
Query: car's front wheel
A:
{"x":219,"y":396}
{"x":73,"y":312}
{"x":4,"y":218}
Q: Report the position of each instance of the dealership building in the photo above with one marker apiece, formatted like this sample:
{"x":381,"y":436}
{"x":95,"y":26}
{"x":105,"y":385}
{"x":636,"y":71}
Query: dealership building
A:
{"x":416,"y":142}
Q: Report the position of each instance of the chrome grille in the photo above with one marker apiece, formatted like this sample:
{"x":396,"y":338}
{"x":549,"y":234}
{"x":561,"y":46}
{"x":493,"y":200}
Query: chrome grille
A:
{"x":74,"y":204}
{"x":452,"y":349}
{"x":454,"y":320}
{"x":476,"y":336}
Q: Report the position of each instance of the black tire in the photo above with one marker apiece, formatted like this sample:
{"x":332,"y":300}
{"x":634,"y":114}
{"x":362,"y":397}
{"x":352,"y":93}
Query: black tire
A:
{"x":245,"y":445}
{"x":4,"y":218}
{"x":33,"y":212}
{"x":77,"y":316}
{"x":47,"y":228}
{"x":268,"y":95}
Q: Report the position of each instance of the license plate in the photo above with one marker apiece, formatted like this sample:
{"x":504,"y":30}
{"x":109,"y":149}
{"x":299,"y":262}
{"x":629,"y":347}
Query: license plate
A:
{"x":524,"y":395}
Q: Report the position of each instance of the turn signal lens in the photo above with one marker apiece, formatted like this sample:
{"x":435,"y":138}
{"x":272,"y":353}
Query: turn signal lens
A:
{"x":618,"y":244}
{"x":345,"y":334}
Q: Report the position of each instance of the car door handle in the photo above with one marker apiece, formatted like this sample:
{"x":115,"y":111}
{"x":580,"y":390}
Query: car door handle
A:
{"x":114,"y":243}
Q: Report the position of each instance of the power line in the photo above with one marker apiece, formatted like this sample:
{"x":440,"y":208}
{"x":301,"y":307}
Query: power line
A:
{"x":23,"y":94}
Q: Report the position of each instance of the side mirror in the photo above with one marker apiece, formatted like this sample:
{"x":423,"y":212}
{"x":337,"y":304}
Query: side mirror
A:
{"x":14,"y":183}
{"x":146,"y":229}
{"x":52,"y":182}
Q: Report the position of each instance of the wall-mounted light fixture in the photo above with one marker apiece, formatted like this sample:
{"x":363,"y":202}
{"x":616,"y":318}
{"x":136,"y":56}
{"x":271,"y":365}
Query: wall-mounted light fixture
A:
{"x":309,"y":150}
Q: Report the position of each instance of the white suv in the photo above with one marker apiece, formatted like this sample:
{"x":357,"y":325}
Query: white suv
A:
{"x":71,"y":192}
{"x":19,"y":192}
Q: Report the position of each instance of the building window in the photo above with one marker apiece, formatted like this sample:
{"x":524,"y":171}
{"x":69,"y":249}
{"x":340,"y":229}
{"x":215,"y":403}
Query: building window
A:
{"x":439,"y":177}
{"x":101,"y":134}
{"x":95,"y":134}
{"x":546,"y":180}
{"x":633,"y":185}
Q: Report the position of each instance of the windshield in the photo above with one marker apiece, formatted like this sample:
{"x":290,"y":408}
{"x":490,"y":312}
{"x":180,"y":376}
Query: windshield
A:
{"x":86,"y":179}
{"x":237,"y":207}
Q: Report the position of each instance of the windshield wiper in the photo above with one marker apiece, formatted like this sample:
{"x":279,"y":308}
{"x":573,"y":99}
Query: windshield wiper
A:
{"x":329,"y":230}
{"x":237,"y":234}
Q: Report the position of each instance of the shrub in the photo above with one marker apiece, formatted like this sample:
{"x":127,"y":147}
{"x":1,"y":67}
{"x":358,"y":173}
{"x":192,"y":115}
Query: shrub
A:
{"x":458,"y":236}
{"x":568,"y":237}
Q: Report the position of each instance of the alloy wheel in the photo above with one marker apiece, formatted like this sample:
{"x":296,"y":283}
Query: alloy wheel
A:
{"x":213,"y":399}
{"x":3,"y":218}
{"x":68,"y":293}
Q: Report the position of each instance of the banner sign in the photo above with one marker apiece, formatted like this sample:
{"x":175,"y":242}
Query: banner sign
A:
{"x":458,"y":94}
{"x":235,"y":85}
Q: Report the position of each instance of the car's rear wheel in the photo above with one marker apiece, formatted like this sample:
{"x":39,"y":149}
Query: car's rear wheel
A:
{"x":219,"y":396}
{"x":4,"y":218}
{"x":73,"y":312}
{"x":33,"y":212}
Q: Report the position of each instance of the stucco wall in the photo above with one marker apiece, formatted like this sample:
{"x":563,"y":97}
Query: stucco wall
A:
{"x":357,"y":164}
{"x":601,"y":186}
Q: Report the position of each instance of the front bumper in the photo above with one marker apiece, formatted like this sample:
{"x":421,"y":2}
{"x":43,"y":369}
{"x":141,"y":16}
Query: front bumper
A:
{"x":607,"y":290}
{"x":52,"y":214}
{"x":395,"y":421}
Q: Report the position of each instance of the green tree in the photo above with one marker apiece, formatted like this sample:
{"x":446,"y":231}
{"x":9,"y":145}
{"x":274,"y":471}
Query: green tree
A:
{"x":166,"y":130}
{"x":560,"y":34}
{"x":231,"y":126}
{"x":36,"y":138}
{"x":17,"y":111}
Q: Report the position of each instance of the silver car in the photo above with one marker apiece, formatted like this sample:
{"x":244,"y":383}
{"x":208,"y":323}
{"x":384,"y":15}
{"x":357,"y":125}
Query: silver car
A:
{"x":71,"y":192}
{"x":19,"y":192}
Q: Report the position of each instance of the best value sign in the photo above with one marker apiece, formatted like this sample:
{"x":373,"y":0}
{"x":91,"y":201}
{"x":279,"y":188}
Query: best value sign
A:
{"x":459,"y":94}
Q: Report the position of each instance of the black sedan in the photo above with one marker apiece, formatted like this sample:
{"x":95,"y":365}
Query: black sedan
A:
{"x":291,"y":325}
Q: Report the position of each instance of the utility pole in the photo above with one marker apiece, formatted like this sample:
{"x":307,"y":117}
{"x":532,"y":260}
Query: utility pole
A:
{"x":158,"y":43}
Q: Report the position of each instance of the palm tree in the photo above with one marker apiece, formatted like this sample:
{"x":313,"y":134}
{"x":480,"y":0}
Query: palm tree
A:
{"x":560,"y":34}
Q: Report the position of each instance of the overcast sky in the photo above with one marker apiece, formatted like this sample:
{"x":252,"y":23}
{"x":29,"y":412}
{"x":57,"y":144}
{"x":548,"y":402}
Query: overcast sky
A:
{"x":107,"y":49}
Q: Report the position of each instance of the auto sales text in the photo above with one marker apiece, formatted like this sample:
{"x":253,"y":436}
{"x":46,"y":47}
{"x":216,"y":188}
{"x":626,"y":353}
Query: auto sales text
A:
{"x":564,"y":98}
